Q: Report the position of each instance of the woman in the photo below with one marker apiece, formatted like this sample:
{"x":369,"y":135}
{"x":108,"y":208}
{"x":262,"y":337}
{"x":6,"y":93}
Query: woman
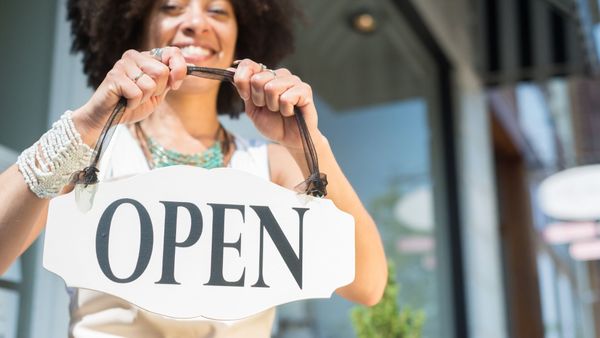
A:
{"x":169,"y":112}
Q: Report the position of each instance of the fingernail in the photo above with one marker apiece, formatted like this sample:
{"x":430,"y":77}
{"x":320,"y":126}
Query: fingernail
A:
{"x":237,"y":62}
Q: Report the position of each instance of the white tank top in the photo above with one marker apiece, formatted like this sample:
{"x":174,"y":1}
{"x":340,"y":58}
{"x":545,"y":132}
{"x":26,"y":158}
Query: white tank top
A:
{"x":99,"y":315}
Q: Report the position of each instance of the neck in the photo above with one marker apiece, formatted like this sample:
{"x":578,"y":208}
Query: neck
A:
{"x":192,"y":114}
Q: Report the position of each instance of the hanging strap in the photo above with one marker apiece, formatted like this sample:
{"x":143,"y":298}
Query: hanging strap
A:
{"x":314,"y":185}
{"x":89,"y":174}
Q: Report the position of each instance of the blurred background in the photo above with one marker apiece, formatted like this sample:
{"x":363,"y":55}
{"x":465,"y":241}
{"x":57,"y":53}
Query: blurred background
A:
{"x":446,"y":116}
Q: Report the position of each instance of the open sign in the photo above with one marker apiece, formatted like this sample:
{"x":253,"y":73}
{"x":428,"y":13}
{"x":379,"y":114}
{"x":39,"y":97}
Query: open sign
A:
{"x":188,"y":242}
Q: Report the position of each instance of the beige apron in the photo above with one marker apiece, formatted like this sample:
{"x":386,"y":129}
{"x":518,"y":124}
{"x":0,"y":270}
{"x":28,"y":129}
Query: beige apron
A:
{"x":98,"y":315}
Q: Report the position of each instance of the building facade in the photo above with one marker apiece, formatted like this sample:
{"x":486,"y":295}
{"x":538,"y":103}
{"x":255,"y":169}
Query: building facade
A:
{"x":445,"y":116}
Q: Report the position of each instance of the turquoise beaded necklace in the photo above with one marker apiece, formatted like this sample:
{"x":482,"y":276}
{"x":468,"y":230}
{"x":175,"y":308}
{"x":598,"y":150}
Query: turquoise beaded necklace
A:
{"x":210,"y":158}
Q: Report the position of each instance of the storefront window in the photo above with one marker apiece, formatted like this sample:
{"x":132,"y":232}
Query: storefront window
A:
{"x":546,"y":117}
{"x":378,"y":97}
{"x":385,"y":152}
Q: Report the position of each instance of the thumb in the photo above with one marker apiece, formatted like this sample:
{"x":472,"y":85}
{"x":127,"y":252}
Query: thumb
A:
{"x":250,"y":108}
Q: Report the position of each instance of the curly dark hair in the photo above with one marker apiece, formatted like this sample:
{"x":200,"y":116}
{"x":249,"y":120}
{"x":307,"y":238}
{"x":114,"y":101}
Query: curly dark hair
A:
{"x":104,"y":29}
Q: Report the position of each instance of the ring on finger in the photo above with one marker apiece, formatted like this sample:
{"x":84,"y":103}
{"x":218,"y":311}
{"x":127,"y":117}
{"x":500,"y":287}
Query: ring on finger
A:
{"x":156,"y":53}
{"x":272,"y":72}
{"x":137,"y":77}
{"x":262,"y":67}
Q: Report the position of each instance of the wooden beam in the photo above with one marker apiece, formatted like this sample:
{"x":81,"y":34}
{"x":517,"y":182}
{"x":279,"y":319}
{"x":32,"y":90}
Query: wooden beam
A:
{"x":518,"y":239}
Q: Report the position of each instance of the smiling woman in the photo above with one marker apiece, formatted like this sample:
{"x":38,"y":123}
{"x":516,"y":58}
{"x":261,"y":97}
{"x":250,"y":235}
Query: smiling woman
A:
{"x":138,"y":53}
{"x":265,"y":33}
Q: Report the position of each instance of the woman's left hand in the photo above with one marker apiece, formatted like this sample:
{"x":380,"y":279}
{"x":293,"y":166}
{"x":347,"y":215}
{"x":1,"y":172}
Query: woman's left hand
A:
{"x":270,"y":97}
{"x":270,"y":100}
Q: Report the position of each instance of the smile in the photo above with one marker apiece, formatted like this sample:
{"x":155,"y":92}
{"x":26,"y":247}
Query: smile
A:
{"x":196,"y":51}
{"x":195,"y":54}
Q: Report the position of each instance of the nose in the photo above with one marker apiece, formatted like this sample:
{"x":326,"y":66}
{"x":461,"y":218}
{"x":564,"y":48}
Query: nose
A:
{"x":195,"y":21}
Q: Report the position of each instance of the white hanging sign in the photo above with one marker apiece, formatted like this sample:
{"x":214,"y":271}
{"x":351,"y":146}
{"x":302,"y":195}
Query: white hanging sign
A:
{"x":573,"y":194}
{"x":187,"y":242}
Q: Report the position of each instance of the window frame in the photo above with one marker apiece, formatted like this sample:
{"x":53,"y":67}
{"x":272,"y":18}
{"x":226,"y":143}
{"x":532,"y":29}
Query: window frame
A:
{"x":444,"y":125}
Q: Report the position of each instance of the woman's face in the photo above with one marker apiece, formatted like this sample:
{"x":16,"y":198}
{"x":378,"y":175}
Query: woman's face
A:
{"x":205,"y":30}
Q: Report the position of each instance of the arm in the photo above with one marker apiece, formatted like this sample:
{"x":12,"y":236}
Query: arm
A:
{"x":22,"y":213}
{"x":371,"y":269}
{"x":269,"y":99}
{"x":20,"y":216}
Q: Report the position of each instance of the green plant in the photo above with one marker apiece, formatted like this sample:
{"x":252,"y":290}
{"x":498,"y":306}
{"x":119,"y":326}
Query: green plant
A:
{"x":386,"y":320}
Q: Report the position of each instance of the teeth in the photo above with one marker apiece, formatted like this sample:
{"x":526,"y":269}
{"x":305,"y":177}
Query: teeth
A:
{"x":195,"y":50}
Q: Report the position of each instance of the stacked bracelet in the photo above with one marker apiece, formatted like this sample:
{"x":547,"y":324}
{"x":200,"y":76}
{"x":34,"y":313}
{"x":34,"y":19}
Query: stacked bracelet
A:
{"x":48,"y":164}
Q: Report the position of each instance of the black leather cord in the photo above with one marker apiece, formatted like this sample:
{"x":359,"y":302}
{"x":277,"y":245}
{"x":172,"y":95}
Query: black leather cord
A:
{"x":89,"y":174}
{"x":314,"y":185}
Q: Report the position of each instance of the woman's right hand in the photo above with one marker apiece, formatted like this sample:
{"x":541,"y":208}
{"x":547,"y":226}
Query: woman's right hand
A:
{"x":140,"y":78}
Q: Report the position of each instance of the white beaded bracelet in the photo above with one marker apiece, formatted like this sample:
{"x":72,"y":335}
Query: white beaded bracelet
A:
{"x":47,"y":166}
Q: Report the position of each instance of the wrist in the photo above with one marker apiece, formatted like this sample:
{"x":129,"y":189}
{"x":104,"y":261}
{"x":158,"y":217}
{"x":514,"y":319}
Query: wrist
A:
{"x":321,"y":146}
{"x":48,"y":165}
{"x":320,"y":142}
{"x":88,"y":128}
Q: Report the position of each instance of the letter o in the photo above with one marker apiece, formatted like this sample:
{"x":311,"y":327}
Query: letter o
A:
{"x":103,"y":235}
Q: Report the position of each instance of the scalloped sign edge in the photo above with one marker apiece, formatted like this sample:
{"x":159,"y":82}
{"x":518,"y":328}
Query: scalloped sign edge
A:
{"x":157,"y":241}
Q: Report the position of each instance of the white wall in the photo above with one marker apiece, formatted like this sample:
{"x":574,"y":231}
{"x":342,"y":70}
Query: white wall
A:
{"x":480,"y":230}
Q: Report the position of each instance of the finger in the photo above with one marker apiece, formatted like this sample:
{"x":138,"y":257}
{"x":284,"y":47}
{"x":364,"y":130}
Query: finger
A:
{"x":250,"y":109}
{"x":125,"y":87}
{"x":259,"y":81}
{"x":148,"y":87}
{"x":277,"y":86}
{"x":144,"y":81}
{"x":173,"y":57}
{"x":299,"y":95}
{"x":282,"y":72}
{"x":257,"y":87}
{"x":158,"y":71}
{"x":245,"y":69}
{"x":157,"y":99}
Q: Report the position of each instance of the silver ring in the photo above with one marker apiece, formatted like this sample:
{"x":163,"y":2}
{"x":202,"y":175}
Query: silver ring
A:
{"x":156,"y":53}
{"x":137,"y":77}
{"x":262,"y":67}
{"x":272,"y":72}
